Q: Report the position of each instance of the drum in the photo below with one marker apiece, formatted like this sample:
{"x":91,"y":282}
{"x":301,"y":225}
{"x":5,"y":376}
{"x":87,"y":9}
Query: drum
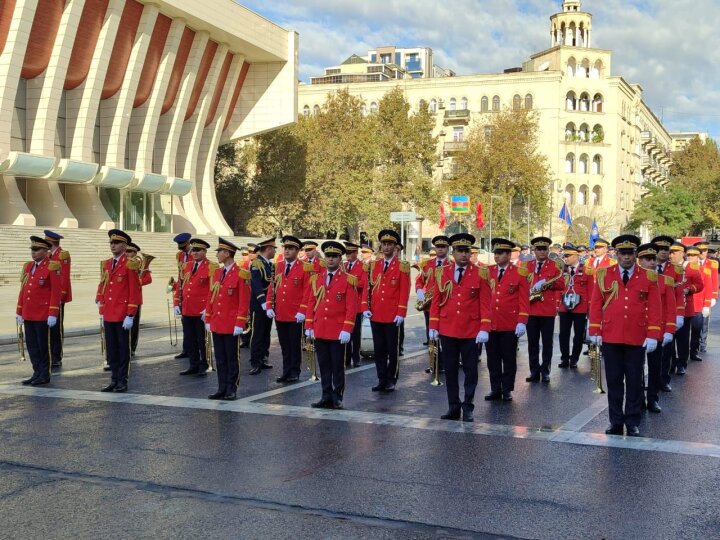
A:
{"x":367,"y":348}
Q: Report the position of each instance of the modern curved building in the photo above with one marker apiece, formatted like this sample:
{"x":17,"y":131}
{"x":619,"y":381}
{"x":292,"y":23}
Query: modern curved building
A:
{"x":111,"y":111}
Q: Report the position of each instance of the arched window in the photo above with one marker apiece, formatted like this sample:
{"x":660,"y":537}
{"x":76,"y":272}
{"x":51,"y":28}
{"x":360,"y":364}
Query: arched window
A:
{"x":584,"y":133}
{"x":373,"y":108}
{"x":528,"y":101}
{"x":571,"y":67}
{"x":563,"y":34}
{"x":496,"y":103}
{"x":571,"y":35}
{"x":582,"y":197}
{"x":597,"y":196}
{"x":571,"y":101}
{"x":597,"y":164}
{"x":433,"y":105}
{"x":453,"y":104}
{"x":585,"y":102}
{"x":598,"y":134}
{"x":570,"y":194}
{"x":363,"y":109}
{"x":583,"y":164}
{"x":316,"y":110}
{"x":570,"y":163}
{"x":596,"y":71}
{"x":517,"y":102}
{"x":484,"y":104}
{"x":306,"y":111}
{"x":463,"y":104}
{"x":584,"y":69}
{"x":570,"y":132}
{"x":597,"y":104}
{"x":422,"y":105}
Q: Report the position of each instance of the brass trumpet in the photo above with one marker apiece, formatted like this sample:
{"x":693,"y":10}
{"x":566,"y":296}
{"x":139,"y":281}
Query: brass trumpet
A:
{"x":424,"y":304}
{"x":596,"y":368}
{"x":172,"y":326}
{"x":309,"y":347}
{"x":21,"y":342}
{"x":434,"y":360}
{"x":209,"y":351}
{"x":103,"y":346}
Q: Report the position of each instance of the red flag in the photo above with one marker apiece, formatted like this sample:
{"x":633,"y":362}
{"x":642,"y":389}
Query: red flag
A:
{"x":479,"y":221}
{"x":442,"y":216}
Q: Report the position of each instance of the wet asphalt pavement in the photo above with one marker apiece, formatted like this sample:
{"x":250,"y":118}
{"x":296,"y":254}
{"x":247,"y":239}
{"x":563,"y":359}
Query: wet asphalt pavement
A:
{"x":164,"y":462}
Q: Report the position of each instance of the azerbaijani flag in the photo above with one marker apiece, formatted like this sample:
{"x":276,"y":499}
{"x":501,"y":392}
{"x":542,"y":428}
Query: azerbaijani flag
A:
{"x":460,"y":204}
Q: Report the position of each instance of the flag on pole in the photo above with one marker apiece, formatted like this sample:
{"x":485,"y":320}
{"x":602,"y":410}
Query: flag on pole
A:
{"x":442,"y":216}
{"x":565,"y":214}
{"x":460,"y":204}
{"x":479,"y":221}
{"x":594,"y":234}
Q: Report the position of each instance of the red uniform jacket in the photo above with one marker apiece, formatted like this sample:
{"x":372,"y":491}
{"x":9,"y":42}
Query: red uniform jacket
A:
{"x":582,"y":283}
{"x":713,"y":266}
{"x":425,"y":279}
{"x":388,"y":291}
{"x":40,"y":292}
{"x":703,"y":297}
{"x":676,"y":272}
{"x":331,"y":309}
{"x":626,"y":314}
{"x":287,"y":293}
{"x":63,"y":257}
{"x":551,"y":270}
{"x":360,"y":271}
{"x":666,"y":286}
{"x":461,"y":311}
{"x":510,"y":298}
{"x":605,"y":262}
{"x":316,"y":266}
{"x":691,"y":282}
{"x":119,"y":290}
{"x":195,"y":289}
{"x":228,"y":303}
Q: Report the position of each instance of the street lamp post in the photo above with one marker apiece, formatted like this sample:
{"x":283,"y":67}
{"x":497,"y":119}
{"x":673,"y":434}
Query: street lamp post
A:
{"x":491,"y":217}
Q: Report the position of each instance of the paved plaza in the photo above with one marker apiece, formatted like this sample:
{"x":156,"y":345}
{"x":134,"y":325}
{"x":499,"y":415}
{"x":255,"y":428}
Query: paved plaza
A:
{"x":163,"y":461}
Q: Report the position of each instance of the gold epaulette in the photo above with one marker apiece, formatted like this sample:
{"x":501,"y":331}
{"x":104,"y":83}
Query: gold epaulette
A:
{"x":714,"y":264}
{"x":669,"y":281}
{"x":257,"y":263}
{"x":54,"y":266}
{"x":64,"y":255}
{"x":244,"y":273}
{"x":678,"y":268}
{"x":522,"y":270}
{"x":613,"y":262}
{"x":601,"y":273}
{"x":212,"y":267}
{"x":694,"y":266}
{"x":405,"y":267}
{"x":707,"y":271}
{"x":133,"y":264}
{"x":352,"y":280}
{"x":589,"y":270}
{"x":421,"y":265}
{"x":652,"y":275}
{"x":560,"y":265}
{"x":322,"y":263}
{"x":483,"y":272}
{"x":308,"y":267}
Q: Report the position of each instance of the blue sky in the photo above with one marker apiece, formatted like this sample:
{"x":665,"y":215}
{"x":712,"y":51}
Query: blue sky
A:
{"x":670,"y":47}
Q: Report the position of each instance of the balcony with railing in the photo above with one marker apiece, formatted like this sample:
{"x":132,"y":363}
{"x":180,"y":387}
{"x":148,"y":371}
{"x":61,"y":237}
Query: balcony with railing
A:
{"x":413,"y":65}
{"x":451,"y":147}
{"x":459,"y":116}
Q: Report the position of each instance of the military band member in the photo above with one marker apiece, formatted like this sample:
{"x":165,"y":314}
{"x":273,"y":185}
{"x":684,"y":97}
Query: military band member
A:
{"x":706,"y":262}
{"x":573,"y":306}
{"x":600,"y":257}
{"x":38,"y":307}
{"x":545,"y":277}
{"x":460,"y":318}
{"x":647,"y":258}
{"x":389,"y":291}
{"x":366,"y":254}
{"x":262,"y":271}
{"x":626,"y":321}
{"x":692,"y":283}
{"x":701,"y":301}
{"x":226,"y":315}
{"x":509,"y":307}
{"x":331,"y":308}
{"x":195,"y":278}
{"x":356,"y":268}
{"x":311,"y":256}
{"x":57,"y":332}
{"x":286,"y":304}
{"x":515,"y":255}
{"x":145,"y":279}
{"x":424,"y":282}
{"x":248,"y":255}
{"x":118,"y":297}
{"x":182,"y":257}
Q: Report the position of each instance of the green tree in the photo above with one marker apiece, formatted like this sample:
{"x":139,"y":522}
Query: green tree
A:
{"x":233,"y":184}
{"x":673,"y":210}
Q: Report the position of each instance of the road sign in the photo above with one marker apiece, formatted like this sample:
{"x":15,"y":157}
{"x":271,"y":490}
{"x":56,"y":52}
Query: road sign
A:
{"x":402,"y":216}
{"x":460,"y":204}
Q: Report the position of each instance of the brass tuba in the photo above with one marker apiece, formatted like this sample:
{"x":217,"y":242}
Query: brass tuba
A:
{"x":144,"y":259}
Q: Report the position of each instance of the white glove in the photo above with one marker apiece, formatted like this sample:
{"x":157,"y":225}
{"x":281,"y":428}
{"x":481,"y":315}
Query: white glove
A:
{"x":399,"y":320}
{"x":650,"y":344}
{"x":433,"y":335}
{"x":596,"y":340}
{"x":299,"y":317}
{"x":207,"y":327}
{"x":667,"y":338}
{"x":420,"y":294}
{"x":679,"y":321}
{"x":520,"y":330}
{"x":97,"y":303}
{"x":270,"y":313}
{"x":706,"y":312}
{"x":202,"y":315}
{"x":482,"y":337}
{"x":18,"y":319}
{"x":264,"y":306}
{"x":102,"y":320}
{"x":309,"y":333}
{"x":367,"y":314}
{"x":52,"y":321}
{"x":127,"y":323}
{"x":344,"y":337}
{"x":178,"y":311}
{"x":238,"y":330}
{"x":713,"y":302}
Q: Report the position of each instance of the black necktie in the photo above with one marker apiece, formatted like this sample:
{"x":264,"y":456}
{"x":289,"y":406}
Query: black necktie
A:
{"x":224,"y":273}
{"x":438,"y":263}
{"x":35,"y":267}
{"x":329,"y":280}
{"x":572,"y":271}
{"x":539,"y":267}
{"x":500,"y":274}
{"x":195,"y":267}
{"x":386,"y":266}
{"x":350,"y":265}
{"x":287,"y":268}
{"x":659,"y":268}
{"x":114,"y":263}
{"x":626,"y":277}
{"x":460,"y":274}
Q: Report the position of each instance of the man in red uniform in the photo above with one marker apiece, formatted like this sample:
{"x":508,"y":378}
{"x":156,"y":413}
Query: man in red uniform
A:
{"x":600,"y":258}
{"x":712,"y":265}
{"x":145,"y":279}
{"x":691,"y":283}
{"x":701,"y":301}
{"x":38,"y":307}
{"x":332,"y":305}
{"x":118,"y":297}
{"x":647,"y":258}
{"x":195,"y":278}
{"x":573,"y":306}
{"x":460,"y":318}
{"x":286,"y":305}
{"x":226,"y":315}
{"x":311,"y":256}
{"x":57,"y":332}
{"x":509,"y":307}
{"x":545,"y":277}
{"x":626,"y":320}
{"x":182,"y":257}
{"x":388,"y":294}
{"x":356,"y":268}
{"x":424,"y":281}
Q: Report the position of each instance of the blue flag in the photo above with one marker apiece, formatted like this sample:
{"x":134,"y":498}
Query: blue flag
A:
{"x":565,"y":214}
{"x":594,"y":234}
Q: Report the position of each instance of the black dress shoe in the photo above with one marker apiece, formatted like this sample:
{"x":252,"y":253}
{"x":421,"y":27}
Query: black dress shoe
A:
{"x":57,"y":365}
{"x":493,"y":396}
{"x":654,"y":406}
{"x":532,"y":378}
{"x":27,"y":381}
{"x":467,"y":416}
{"x":338,"y":405}
{"x":202,"y":373}
{"x":281,"y":379}
{"x":389,"y":388}
{"x":573,"y":364}
{"x":255,"y":371}
{"x":217,"y":395}
{"x":564,"y":364}
{"x":586,"y":352}
{"x":39,"y":382}
{"x":189,"y":371}
{"x":265,"y":365}
{"x":121,"y":388}
{"x":230,"y":397}
{"x":614,"y":430}
{"x":696,"y":358}
{"x":666,"y":388}
{"x":451,"y":415}
{"x":292,"y":379}
{"x":546,"y":378}
{"x":322,"y":404}
{"x":425,"y":343}
{"x":507,"y":396}
{"x":681,"y":371}
{"x":378,"y":388}
{"x":428,"y":370}
{"x":106,"y":368}
{"x":633,"y":431}
{"x":109,"y":388}
{"x":180,"y":356}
